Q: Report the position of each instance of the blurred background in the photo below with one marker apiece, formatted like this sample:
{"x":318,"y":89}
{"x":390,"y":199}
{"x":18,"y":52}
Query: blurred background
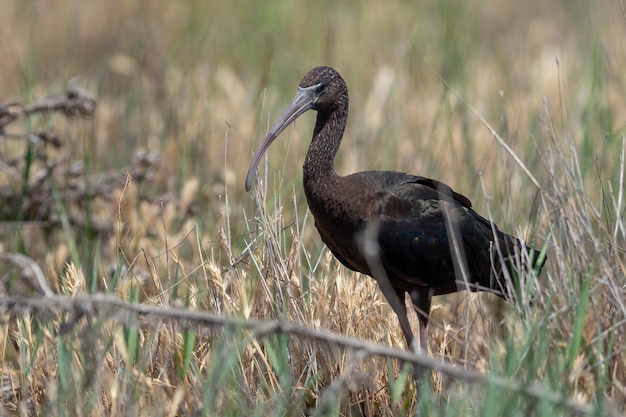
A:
{"x":184,"y":92}
{"x":197,"y":84}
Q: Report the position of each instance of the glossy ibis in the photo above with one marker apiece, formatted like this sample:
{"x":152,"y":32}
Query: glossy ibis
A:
{"x":411,"y":234}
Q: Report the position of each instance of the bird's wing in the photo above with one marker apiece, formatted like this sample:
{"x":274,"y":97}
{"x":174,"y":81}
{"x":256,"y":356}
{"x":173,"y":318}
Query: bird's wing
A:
{"x":443,"y":190}
{"x":419,"y":220}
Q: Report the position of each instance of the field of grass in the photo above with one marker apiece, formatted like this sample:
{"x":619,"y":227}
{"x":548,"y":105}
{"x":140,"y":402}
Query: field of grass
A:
{"x":137,"y":277}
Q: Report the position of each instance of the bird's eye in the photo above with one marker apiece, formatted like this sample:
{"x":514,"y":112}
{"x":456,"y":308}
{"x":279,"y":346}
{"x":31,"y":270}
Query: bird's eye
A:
{"x":318,"y":88}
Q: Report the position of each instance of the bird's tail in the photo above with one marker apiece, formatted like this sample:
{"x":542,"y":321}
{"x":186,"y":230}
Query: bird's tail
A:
{"x":511,"y":259}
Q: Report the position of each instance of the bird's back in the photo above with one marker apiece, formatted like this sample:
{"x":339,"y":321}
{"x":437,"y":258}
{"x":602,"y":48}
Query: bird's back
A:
{"x":427,"y":235}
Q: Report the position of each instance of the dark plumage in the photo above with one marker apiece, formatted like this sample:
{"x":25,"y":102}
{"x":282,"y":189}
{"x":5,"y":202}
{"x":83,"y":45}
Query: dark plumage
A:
{"x":411,"y":234}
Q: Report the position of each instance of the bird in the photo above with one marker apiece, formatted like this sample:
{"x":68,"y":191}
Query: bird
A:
{"x":413,"y":235}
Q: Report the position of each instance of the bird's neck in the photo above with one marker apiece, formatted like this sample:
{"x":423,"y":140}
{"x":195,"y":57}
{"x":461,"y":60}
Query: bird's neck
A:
{"x":319,"y":164}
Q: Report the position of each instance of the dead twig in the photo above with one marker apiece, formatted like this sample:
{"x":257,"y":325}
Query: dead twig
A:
{"x":74,"y":103}
{"x":103,"y":305}
{"x":29,"y":268}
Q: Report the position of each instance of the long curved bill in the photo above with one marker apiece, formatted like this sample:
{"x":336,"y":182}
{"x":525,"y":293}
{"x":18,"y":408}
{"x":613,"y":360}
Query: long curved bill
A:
{"x":303,"y":101}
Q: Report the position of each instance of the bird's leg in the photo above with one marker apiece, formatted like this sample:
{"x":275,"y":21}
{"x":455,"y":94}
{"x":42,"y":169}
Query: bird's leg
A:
{"x":405,"y":325}
{"x":396,"y":299}
{"x":403,"y":317}
{"x":421,"y":303}
{"x":367,"y":241}
{"x":369,"y":247}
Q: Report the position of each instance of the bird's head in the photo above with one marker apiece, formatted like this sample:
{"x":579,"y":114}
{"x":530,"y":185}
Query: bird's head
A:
{"x":321,"y":89}
{"x":324,"y":87}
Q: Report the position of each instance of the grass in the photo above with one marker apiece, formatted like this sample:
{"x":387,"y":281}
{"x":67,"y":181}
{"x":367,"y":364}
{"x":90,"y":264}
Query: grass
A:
{"x":144,"y":201}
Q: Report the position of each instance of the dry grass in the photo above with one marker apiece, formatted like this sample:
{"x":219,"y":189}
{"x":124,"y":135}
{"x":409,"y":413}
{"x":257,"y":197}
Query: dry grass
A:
{"x":145,"y":201}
